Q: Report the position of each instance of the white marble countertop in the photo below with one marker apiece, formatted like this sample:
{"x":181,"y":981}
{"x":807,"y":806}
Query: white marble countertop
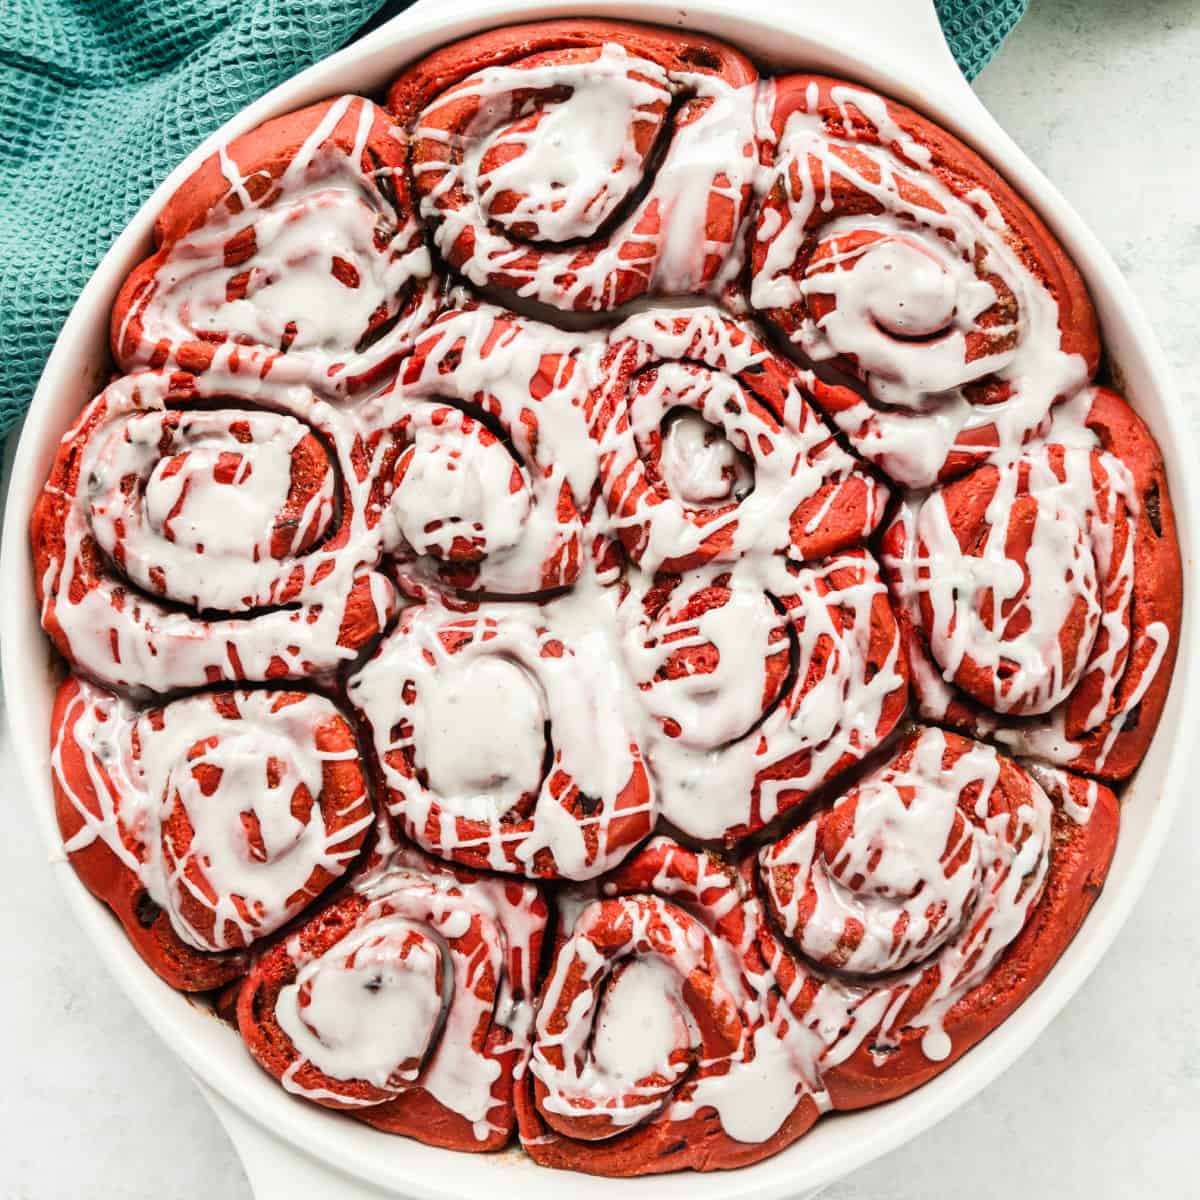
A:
{"x":1105,"y":97}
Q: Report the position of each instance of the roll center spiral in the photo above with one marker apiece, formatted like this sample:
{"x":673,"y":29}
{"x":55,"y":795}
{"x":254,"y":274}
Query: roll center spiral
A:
{"x":1010,"y":580}
{"x":215,"y":499}
{"x":459,"y":493}
{"x":370,"y":1008}
{"x":902,"y":871}
{"x":482,"y":743}
{"x":640,"y":1024}
{"x":699,"y":464}
{"x":714,"y":662}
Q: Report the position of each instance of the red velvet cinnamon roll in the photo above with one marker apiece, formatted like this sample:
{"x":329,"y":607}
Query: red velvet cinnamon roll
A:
{"x":709,"y":449}
{"x":298,"y":239}
{"x":582,"y":163}
{"x":502,"y":746}
{"x":497,"y":462}
{"x":1041,"y":599}
{"x":657,"y":1044}
{"x":178,"y":544}
{"x":920,"y":908}
{"x":763,"y":681}
{"x":406,"y":1002}
{"x":208,"y":823}
{"x":941,"y":316}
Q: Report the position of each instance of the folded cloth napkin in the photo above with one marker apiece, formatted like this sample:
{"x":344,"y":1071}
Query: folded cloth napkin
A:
{"x":975,"y":29}
{"x":99,"y":99}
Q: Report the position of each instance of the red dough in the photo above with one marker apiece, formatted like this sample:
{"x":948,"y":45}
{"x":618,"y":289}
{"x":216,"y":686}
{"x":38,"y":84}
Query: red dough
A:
{"x":890,"y":359}
{"x":878,"y":1053}
{"x":136,"y":557}
{"x":699,"y":363}
{"x":139,"y":851}
{"x":569,"y":793}
{"x":477,"y":492}
{"x":824,"y":643}
{"x":483,"y":937}
{"x":237,"y":238}
{"x":1100,"y":680}
{"x":545,"y":237}
{"x":682,"y":910}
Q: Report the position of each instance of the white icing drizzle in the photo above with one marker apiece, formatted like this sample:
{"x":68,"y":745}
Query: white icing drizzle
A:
{"x":370,"y":1007}
{"x":321,"y":268}
{"x":699,"y":362}
{"x":203,"y":491}
{"x":631,"y":1086}
{"x":618,"y":1037}
{"x":1074,"y":795}
{"x":922,"y":294}
{"x":430,"y":988}
{"x":733,"y":745}
{"x":503,"y":196}
{"x":922,"y":875}
{"x":641,"y":1020}
{"x":1040,"y":601}
{"x":454,"y":465}
{"x":549,"y":778}
{"x":699,"y":465}
{"x":1050,"y":740}
{"x":291,"y":609}
{"x":215,"y":804}
{"x":508,"y":507}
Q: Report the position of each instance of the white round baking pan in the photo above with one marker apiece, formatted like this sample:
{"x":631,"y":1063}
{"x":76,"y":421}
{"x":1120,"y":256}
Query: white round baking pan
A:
{"x":292,"y":1149}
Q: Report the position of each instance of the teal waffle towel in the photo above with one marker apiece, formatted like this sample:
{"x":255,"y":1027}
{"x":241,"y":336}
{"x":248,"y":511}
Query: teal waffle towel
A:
{"x":99,"y":99}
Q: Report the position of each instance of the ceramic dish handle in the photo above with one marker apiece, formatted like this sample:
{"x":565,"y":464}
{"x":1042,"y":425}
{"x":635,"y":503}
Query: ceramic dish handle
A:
{"x":277,"y":1170}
